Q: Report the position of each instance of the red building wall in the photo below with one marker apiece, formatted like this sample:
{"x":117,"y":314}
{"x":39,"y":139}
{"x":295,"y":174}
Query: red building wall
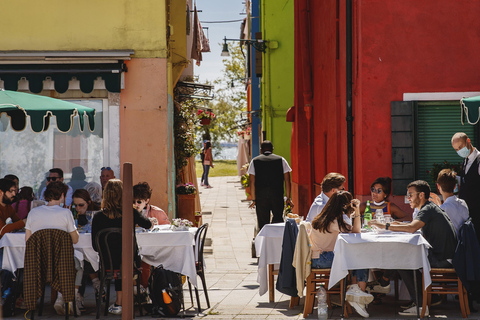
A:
{"x":398,"y":47}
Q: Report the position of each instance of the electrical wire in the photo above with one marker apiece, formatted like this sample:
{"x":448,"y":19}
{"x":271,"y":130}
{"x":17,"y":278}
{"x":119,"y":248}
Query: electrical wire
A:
{"x":223,"y":21}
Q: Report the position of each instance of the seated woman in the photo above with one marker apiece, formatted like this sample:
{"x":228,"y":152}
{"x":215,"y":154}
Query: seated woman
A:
{"x":54,"y":216}
{"x":380,"y":190}
{"x":23,"y":203}
{"x":111,"y":217}
{"x":334,"y":219}
{"x":83,"y":203}
{"x":141,"y":201}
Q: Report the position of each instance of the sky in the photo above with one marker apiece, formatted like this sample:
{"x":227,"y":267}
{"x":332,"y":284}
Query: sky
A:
{"x":217,"y":10}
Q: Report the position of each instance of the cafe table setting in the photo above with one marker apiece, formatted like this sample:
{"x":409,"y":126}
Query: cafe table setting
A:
{"x":159,"y":245}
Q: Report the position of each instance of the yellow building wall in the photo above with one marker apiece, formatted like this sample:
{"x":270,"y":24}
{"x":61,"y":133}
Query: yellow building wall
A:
{"x":85,"y":25}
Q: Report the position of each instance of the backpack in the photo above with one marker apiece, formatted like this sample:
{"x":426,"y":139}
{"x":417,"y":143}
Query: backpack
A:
{"x":166,"y":291}
{"x":8,"y":292}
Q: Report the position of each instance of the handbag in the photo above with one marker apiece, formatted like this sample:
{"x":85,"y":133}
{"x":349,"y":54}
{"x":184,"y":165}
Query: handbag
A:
{"x":207,"y":162}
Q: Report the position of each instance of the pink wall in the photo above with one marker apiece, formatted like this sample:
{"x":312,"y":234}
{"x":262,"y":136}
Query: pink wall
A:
{"x":144,"y":125}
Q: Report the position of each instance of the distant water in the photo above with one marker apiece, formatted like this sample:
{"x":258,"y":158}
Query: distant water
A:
{"x":229,"y":152}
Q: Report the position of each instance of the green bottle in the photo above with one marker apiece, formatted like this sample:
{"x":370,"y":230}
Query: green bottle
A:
{"x":367,"y":216}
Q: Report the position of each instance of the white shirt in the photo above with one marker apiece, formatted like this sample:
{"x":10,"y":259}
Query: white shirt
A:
{"x":68,"y":198}
{"x":457,"y":211}
{"x":471,"y":158}
{"x":317,"y":206}
{"x":286,"y":167}
{"x":50,"y":217}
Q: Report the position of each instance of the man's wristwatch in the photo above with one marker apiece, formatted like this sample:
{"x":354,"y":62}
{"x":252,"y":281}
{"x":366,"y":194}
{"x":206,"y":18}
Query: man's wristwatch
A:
{"x":387,"y":225}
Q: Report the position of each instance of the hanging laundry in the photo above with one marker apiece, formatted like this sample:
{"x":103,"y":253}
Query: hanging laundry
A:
{"x":200,"y":41}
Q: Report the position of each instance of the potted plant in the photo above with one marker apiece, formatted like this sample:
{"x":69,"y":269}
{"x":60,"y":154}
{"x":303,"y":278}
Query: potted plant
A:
{"x":245,"y":180}
{"x":247,"y":133}
{"x":205,"y":116}
{"x":186,"y":201}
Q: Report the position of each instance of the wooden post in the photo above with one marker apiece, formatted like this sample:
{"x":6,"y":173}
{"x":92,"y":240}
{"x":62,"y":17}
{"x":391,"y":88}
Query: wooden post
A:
{"x":127,"y":243}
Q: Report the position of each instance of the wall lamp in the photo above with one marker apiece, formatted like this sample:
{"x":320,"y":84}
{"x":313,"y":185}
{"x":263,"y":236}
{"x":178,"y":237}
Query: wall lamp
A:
{"x":258,"y":44}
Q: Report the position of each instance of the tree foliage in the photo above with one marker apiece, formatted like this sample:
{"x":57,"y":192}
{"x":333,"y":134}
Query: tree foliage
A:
{"x":229,"y":102}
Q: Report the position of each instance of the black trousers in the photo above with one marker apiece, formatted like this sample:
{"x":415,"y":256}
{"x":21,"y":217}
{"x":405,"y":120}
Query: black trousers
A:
{"x":266,"y":202}
{"x":408,"y":278}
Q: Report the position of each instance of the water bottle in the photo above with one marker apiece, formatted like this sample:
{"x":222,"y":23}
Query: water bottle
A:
{"x":322,"y":303}
{"x":367,"y":216}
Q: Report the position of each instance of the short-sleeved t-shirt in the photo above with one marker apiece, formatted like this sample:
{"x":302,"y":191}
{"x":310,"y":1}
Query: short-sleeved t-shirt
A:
{"x":438,"y":231}
{"x":50,"y":217}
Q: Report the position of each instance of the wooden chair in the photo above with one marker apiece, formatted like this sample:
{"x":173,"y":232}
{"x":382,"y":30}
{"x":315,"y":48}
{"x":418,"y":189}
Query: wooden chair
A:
{"x":321,"y":277}
{"x":445,"y":281}
{"x":272,"y":272}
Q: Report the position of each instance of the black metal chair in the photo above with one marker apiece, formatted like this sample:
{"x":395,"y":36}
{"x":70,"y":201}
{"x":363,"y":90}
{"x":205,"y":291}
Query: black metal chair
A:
{"x":106,"y":271}
{"x":198,"y":250}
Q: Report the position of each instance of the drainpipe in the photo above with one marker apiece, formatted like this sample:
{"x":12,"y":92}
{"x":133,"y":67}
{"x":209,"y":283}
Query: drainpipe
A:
{"x":307,"y":86}
{"x":348,"y":27}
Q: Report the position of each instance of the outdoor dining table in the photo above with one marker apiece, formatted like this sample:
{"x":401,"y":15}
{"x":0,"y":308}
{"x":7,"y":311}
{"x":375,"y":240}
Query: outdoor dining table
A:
{"x":172,"y":249}
{"x":385,"y":250}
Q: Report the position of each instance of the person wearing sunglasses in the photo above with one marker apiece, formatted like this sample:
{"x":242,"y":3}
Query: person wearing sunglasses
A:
{"x":56,"y":174}
{"x":380,"y":190}
{"x":141,"y":201}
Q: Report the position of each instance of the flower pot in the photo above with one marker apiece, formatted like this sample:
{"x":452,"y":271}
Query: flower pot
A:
{"x":183,"y":228}
{"x":186,"y":207}
{"x":198,"y":219}
{"x":205,"y":121}
{"x":246,"y":136}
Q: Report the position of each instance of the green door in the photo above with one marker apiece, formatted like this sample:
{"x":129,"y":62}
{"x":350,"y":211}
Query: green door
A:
{"x":436,"y":123}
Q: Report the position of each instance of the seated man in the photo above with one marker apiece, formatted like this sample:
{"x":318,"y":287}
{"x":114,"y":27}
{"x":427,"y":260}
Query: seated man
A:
{"x":331,"y":183}
{"x":437,"y":229}
{"x":56,"y":174}
{"x":106,"y":175}
{"x":9,"y":220}
{"x":456,"y":208}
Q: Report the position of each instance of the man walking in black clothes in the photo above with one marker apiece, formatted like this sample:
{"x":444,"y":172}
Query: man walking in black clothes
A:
{"x":267,"y":173}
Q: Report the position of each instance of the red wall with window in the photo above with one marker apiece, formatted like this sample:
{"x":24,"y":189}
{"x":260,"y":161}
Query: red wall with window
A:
{"x":399,"y":47}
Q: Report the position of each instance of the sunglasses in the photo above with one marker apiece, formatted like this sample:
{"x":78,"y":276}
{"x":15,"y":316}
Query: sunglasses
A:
{"x":80,"y":205}
{"x":410,"y":194}
{"x":52,"y":178}
{"x":379,"y":190}
{"x":138,"y":201}
{"x":105,"y":168}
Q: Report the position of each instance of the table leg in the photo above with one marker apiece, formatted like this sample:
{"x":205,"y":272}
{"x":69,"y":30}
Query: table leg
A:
{"x":416,"y":292}
{"x":271,"y":287}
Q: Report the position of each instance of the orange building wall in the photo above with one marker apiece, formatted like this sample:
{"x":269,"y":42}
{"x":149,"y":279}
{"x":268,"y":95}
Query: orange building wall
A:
{"x":145,"y":121}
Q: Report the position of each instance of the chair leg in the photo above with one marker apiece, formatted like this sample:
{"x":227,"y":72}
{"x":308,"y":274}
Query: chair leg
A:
{"x":461,"y":298}
{"x":465,"y":296}
{"x":271,"y":287}
{"x":426,"y":300}
{"x":107,"y":298}
{"x":204,"y":283}
{"x":198,"y":300}
{"x":190,"y":289}
{"x":67,"y":310}
{"x":42,"y":299}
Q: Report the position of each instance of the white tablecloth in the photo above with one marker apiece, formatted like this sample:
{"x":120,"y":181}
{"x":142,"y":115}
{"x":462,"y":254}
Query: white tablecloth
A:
{"x":268,"y":246}
{"x":389,"y":250}
{"x":173,"y":249}
{"x":14,"y":250}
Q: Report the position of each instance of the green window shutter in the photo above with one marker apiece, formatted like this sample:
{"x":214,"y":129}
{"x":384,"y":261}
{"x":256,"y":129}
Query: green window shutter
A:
{"x":403,"y":143}
{"x":436,"y":123}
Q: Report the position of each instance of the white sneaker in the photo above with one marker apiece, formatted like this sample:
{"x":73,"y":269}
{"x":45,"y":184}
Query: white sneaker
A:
{"x":113,"y":309}
{"x":355,"y":294}
{"x":360,"y":308}
{"x":376,"y":287}
{"x":59,"y":306}
{"x":413,"y":311}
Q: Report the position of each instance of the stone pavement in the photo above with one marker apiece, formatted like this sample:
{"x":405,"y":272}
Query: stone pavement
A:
{"x":231,"y":271}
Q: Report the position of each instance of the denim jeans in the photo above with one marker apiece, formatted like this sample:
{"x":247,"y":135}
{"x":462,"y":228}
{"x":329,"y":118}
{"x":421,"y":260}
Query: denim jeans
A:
{"x":326,"y":259}
{"x":206,"y":169}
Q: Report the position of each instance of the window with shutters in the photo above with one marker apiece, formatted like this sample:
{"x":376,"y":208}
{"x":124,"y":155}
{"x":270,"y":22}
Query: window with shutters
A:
{"x":421,"y":135}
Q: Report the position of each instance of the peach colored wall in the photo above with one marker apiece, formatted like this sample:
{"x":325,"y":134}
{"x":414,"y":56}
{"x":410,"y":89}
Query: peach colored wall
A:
{"x":145,"y":121}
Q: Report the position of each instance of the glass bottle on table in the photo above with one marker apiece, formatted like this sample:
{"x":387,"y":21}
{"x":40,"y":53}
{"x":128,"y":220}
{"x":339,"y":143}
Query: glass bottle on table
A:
{"x":367,"y":216}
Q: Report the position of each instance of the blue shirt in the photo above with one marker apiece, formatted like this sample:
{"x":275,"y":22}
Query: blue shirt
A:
{"x":317,"y":206}
{"x":457,"y":211}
